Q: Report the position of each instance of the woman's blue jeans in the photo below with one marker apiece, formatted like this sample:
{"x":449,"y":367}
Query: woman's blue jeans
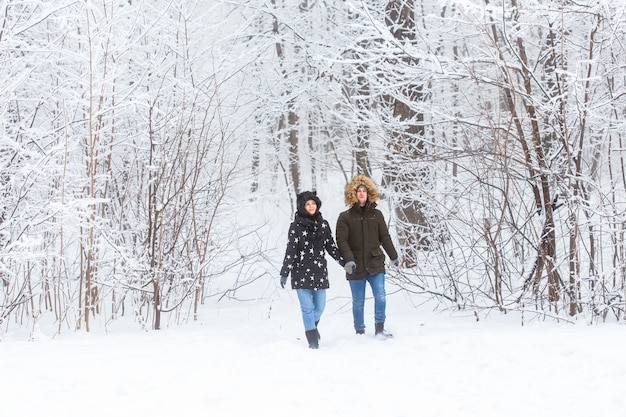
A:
{"x":357,"y":286}
{"x":312,"y":304}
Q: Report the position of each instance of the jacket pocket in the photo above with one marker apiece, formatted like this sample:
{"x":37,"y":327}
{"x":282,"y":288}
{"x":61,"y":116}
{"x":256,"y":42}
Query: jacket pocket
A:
{"x":378,"y":258}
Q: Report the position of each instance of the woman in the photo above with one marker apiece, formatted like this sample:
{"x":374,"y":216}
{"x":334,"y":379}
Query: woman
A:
{"x":308,"y":239}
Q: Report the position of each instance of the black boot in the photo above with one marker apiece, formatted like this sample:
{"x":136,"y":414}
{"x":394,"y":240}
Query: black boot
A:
{"x":311,"y":337}
{"x":317,"y":331}
{"x":381,"y":332}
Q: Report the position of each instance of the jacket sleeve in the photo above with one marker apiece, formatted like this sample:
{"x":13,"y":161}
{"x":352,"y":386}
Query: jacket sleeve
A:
{"x":331,"y":246}
{"x":384,"y":238}
{"x":343,"y":235}
{"x":291,"y":253}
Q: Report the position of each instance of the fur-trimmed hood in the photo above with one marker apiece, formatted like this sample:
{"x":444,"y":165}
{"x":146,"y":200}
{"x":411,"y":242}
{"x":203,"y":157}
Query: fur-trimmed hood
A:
{"x":350,"y":190}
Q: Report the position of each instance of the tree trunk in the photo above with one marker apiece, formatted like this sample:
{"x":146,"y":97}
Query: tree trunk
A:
{"x":406,"y":145}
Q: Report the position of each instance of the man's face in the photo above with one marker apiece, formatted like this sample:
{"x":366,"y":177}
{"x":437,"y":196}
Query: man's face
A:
{"x":361,"y":196}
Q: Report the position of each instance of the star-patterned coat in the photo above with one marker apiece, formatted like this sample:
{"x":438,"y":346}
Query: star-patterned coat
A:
{"x":308,"y":240}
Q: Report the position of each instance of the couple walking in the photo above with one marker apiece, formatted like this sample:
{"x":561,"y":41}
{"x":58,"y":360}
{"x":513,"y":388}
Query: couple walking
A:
{"x":361,"y":231}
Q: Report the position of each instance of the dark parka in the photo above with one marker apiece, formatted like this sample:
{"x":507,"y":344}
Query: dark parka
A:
{"x":309,"y":238}
{"x":361,"y":231}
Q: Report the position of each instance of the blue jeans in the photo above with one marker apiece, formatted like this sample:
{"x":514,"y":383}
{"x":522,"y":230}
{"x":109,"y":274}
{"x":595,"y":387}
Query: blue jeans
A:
{"x":312,"y":304}
{"x":357,"y":286}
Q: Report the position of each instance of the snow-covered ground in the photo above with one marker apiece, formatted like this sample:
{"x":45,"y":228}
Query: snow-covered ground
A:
{"x":248,"y":359}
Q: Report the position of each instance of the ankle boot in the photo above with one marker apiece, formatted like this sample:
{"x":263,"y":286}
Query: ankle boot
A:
{"x":381,"y":332}
{"x":317,"y":331}
{"x":311,"y":337}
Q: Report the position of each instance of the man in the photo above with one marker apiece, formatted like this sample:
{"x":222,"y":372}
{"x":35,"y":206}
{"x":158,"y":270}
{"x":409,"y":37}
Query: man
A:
{"x":361,"y":231}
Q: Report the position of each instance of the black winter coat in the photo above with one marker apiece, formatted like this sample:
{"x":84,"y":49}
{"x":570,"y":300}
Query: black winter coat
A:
{"x":360,"y":235}
{"x":308,"y":240}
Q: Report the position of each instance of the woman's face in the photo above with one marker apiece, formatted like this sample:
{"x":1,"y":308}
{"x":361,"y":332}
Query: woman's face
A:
{"x":310,"y":206}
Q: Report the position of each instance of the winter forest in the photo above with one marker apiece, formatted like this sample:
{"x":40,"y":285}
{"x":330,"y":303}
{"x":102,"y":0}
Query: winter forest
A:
{"x":144,"y":143}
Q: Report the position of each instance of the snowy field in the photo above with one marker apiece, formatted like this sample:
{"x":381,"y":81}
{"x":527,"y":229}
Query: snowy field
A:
{"x":249,"y":359}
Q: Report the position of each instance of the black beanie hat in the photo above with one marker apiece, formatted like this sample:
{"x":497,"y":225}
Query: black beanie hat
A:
{"x":305,"y":196}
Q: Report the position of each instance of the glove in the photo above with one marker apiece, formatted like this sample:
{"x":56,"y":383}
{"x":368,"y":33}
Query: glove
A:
{"x":395,"y":262}
{"x":350,"y":267}
{"x":283,"y":280}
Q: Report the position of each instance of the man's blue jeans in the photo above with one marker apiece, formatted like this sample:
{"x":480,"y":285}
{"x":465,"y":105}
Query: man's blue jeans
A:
{"x":312,"y":304}
{"x":357,"y":286}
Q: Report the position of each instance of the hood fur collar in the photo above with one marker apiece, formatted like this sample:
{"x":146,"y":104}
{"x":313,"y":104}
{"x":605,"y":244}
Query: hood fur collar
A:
{"x":350,"y":190}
